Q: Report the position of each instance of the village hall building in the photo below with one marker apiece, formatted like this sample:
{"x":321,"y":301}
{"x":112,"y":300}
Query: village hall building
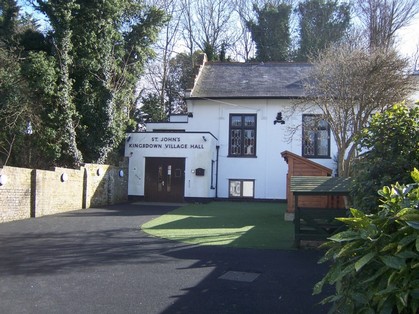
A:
{"x":242,"y":118}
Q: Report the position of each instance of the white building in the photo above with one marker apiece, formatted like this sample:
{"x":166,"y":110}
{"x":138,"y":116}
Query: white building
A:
{"x":230,"y":143}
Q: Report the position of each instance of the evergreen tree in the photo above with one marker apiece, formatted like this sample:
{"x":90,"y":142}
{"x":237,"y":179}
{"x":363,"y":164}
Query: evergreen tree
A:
{"x":9,"y":11}
{"x":271,"y":32}
{"x":61,"y":16}
{"x":151,"y":109}
{"x":19,"y":106}
{"x":321,"y":24}
{"x":101,"y":48}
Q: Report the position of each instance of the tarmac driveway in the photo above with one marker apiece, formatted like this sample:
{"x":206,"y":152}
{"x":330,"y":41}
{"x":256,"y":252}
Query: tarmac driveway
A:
{"x":99,"y":261}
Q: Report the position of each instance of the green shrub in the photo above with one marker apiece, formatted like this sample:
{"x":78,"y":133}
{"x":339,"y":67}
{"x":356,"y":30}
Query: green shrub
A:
{"x":375,"y":262}
{"x":389,"y":150}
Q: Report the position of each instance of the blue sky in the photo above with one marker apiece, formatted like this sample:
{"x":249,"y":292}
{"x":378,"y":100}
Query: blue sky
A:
{"x":26,"y":8}
{"x":408,"y":36}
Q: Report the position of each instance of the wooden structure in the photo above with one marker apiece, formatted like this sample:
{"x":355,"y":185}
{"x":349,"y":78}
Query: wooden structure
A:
{"x":317,"y":223}
{"x":300,"y":166}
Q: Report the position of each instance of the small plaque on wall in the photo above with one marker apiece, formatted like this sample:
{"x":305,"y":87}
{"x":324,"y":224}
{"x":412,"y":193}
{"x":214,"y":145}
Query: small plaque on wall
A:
{"x":199,"y":172}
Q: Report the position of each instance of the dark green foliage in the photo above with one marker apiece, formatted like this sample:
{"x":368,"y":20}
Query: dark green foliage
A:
{"x":14,"y":105}
{"x":154,"y":111}
{"x":19,"y":32}
{"x":110,"y":58}
{"x":322,"y":22}
{"x":42,"y":74}
{"x":181,"y":73}
{"x":271,"y":32}
{"x":223,"y":52}
{"x":61,"y":17}
{"x":19,"y":109}
{"x":375,"y":263}
{"x":79,"y":91}
{"x":8,"y":21}
{"x":32,"y":40}
{"x":391,"y":149}
{"x":210,"y":51}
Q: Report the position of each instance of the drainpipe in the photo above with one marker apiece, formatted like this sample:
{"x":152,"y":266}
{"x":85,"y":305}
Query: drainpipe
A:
{"x":216,"y":173}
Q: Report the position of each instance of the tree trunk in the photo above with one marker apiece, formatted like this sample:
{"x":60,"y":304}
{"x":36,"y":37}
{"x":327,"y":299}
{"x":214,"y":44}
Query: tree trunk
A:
{"x":71,"y":151}
{"x":109,"y":140}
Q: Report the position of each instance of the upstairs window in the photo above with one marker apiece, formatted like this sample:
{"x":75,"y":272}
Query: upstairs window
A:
{"x":242,"y":135}
{"x":316,"y":137}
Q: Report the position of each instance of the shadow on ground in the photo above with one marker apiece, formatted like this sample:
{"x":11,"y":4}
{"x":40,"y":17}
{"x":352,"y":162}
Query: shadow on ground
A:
{"x":62,"y":243}
{"x":99,"y":261}
{"x":283,"y":285}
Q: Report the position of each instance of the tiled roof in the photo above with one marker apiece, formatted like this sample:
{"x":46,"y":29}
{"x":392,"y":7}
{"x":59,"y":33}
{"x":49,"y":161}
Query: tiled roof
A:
{"x":250,"y":80}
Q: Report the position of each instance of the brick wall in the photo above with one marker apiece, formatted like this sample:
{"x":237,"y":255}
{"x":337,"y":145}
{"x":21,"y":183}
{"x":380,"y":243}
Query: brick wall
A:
{"x":26,"y":193}
{"x":15,"y":193}
{"x":105,"y":185}
{"x":58,"y":191}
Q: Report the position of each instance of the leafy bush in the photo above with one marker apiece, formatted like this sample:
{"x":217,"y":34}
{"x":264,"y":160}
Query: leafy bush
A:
{"x":390,"y":150}
{"x":375,"y":262}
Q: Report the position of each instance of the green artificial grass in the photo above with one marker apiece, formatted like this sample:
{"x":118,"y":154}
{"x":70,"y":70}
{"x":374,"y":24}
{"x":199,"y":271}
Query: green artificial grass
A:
{"x":234,"y":224}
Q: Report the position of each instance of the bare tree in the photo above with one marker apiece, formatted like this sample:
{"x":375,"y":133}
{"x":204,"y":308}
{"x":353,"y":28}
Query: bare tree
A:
{"x":188,"y":26}
{"x":158,"y":69}
{"x":416,"y":59}
{"x":245,"y":46}
{"x":383,"y":18}
{"x":348,"y":85}
{"x":193,"y":25}
{"x":208,"y":25}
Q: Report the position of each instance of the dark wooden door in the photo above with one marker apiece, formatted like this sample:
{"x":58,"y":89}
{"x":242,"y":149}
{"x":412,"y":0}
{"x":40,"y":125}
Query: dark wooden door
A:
{"x":164,"y":179}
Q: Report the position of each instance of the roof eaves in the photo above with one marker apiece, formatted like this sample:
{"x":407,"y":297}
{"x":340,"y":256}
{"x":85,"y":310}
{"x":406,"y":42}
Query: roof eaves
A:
{"x":243,"y":97}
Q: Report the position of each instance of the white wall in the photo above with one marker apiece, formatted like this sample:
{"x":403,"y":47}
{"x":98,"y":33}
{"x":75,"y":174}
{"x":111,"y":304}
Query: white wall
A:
{"x":269,"y":169}
{"x":197,"y":151}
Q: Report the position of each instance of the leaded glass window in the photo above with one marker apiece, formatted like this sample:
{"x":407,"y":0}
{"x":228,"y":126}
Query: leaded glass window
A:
{"x":316,"y":137}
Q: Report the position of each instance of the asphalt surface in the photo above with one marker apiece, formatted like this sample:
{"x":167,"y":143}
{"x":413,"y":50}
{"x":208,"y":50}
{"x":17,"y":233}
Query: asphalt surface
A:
{"x":99,"y":261}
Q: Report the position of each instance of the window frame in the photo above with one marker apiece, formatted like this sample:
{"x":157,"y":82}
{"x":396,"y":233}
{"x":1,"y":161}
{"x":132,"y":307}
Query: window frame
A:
{"x":242,"y":128}
{"x":230,"y":195}
{"x":316,"y":137}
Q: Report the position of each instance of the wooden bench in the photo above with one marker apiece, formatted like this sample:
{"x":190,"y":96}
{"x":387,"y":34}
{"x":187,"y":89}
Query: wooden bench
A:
{"x":313,"y":223}
{"x":317,"y":224}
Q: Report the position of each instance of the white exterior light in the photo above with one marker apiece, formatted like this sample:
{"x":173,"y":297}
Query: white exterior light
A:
{"x":3,"y":179}
{"x":64,"y":177}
